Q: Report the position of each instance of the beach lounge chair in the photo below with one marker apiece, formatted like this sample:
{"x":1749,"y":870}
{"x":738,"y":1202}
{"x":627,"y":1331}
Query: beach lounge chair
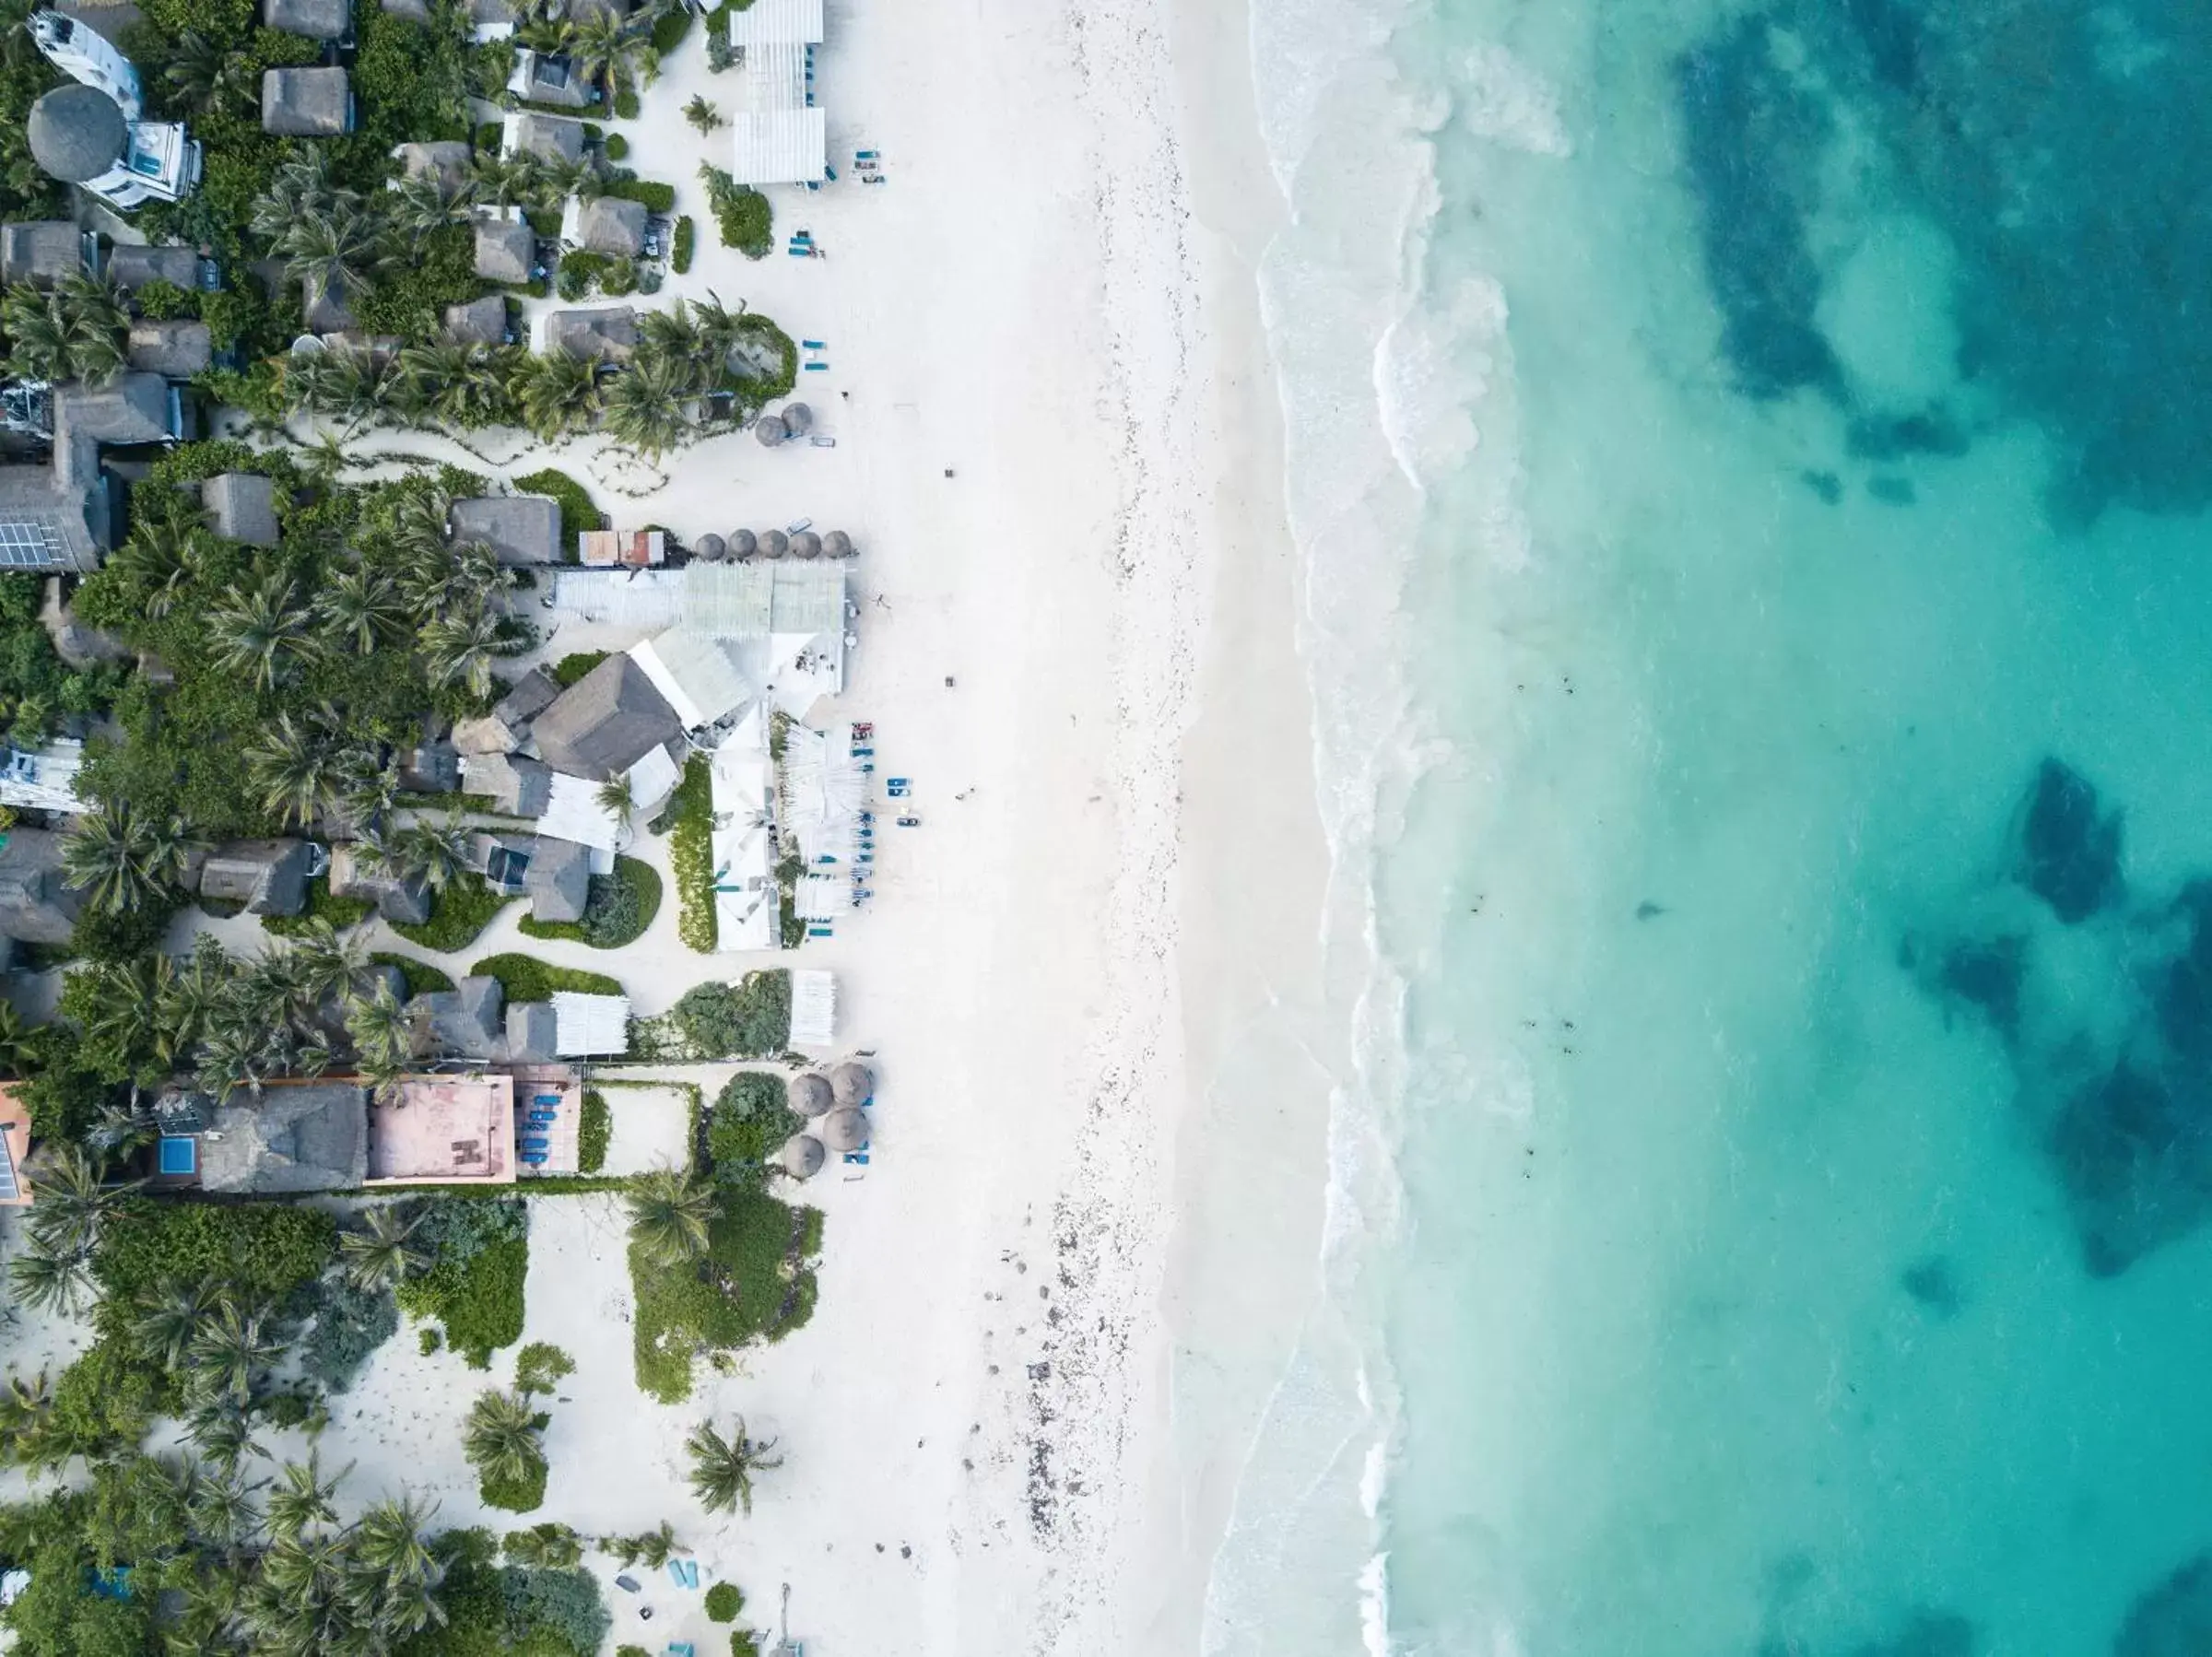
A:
{"x":545,"y":1098}
{"x":627,"y":1583}
{"x":818,"y":931}
{"x":818,"y":368}
{"x":691,"y":1573}
{"x":866,"y":155}
{"x":861,"y":1158}
{"x":682,"y":1648}
{"x":676,"y":1572}
{"x":538,"y":1144}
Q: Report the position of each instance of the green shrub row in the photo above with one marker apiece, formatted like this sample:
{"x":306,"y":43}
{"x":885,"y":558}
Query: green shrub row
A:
{"x":526,"y":978}
{"x":621,"y":906}
{"x":690,"y":817}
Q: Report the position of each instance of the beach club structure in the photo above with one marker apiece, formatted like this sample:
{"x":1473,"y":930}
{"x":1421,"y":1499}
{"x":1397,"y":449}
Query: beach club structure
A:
{"x":780,"y":137}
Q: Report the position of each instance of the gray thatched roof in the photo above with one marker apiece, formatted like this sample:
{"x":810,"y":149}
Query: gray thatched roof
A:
{"x":242,"y":505}
{"x":802,"y":1155}
{"x":34,"y":905}
{"x":608,"y":333}
{"x":445,"y":159}
{"x":532,"y":695}
{"x":430,"y":767}
{"x":269,"y":877}
{"x":468,"y":1021}
{"x":132,"y":408}
{"x":304,"y":1136}
{"x":515,"y":786}
{"x":770,"y":430}
{"x":531,"y":1028}
{"x":774,"y":543}
{"x":506,"y":250}
{"x":810,"y":1094}
{"x":522,"y":529}
{"x":742,"y":544}
{"x":131,"y":267}
{"x":43,"y":250}
{"x":798,"y":419}
{"x":395,"y":900}
{"x":317,"y":20}
{"x":306,"y":103}
{"x":176,"y":349}
{"x":611,"y":225}
{"x":76,"y":133}
{"x":605,"y":722}
{"x":854,"y":1083}
{"x":559,"y":879}
{"x":555,"y":137}
{"x":837,"y":545}
{"x":41,"y":517}
{"x":479,"y":323}
{"x":547,"y":78}
{"x":709,"y":546}
{"x":845,"y":1129}
{"x":806,"y":544}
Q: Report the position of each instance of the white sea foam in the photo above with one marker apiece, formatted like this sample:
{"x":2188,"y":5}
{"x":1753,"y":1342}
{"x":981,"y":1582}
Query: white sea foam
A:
{"x":1506,"y":102}
{"x":1375,"y":1606}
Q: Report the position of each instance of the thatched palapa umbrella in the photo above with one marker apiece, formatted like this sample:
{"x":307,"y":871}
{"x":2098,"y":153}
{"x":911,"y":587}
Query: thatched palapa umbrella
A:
{"x":774,"y":543}
{"x":845,"y":1130}
{"x":806,"y":544}
{"x":769,"y":429}
{"x":802,"y":1155}
{"x":742,"y":544}
{"x":798,"y":419}
{"x":852,"y":1083}
{"x":810,"y":1094}
{"x":837,"y":545}
{"x":709,"y":546}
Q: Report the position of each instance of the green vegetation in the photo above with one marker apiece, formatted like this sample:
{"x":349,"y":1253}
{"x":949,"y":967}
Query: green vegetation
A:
{"x":515,"y":1610}
{"x":754,"y":1282}
{"x":670,"y":33}
{"x":621,"y":906}
{"x":594,"y":1132}
{"x":572,"y":668}
{"x":750,"y":1019}
{"x":538,"y":1367}
{"x":422,"y":978}
{"x":751,"y":1119}
{"x":459,"y":913}
{"x":722,"y":1468}
{"x":650,"y":1548}
{"x":724,"y":1602}
{"x":551,"y":1545}
{"x":686,"y":241}
{"x":479,"y":1250}
{"x":36,"y":688}
{"x":691,"y":815}
{"x":658,"y":197}
{"x":582,"y":271}
{"x":718,"y":55}
{"x":502,"y":1441}
{"x":616,"y":148}
{"x":741,"y":213}
{"x":323,"y":910}
{"x":578,"y":511}
{"x":526,"y":978}
{"x":627,"y":107}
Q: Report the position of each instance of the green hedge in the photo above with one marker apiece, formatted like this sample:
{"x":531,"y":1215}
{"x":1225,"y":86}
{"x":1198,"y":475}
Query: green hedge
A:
{"x":659,"y":198}
{"x":670,"y":33}
{"x":526,"y":978}
{"x":341,"y":912}
{"x":686,"y":238}
{"x":460,"y":912}
{"x":750,"y":1019}
{"x":572,"y":668}
{"x":578,"y":511}
{"x":594,"y":1132}
{"x":690,"y":814}
{"x":515,"y":1496}
{"x":622,"y":907}
{"x":422,"y":978}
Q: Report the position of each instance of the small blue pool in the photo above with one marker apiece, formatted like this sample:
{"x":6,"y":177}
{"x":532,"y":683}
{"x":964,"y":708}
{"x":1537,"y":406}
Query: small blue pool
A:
{"x":179,"y":1155}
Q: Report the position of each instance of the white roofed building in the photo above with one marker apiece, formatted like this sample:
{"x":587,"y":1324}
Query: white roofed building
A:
{"x":585,"y":1026}
{"x":749,"y":908}
{"x":780,"y":137}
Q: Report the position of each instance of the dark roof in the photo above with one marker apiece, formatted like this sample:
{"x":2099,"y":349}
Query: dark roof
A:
{"x":479,"y":323}
{"x":549,"y":77}
{"x":604,"y":723}
{"x":506,"y":250}
{"x":433,"y":767}
{"x":317,"y":20}
{"x":325,"y":311}
{"x":269,"y":877}
{"x":306,"y":103}
{"x":532,"y":695}
{"x":555,"y":137}
{"x":130,"y":267}
{"x":559,"y":879}
{"x":37,"y":511}
{"x":132,"y":408}
{"x":304,"y":1136}
{"x":608,"y":332}
{"x":611,"y":225}
{"x":515,"y":786}
{"x":395,"y":900}
{"x":466,"y":1021}
{"x":445,"y":159}
{"x":522,"y":529}
{"x":242,"y":505}
{"x":45,"y":250}
{"x":530,"y":1031}
{"x":76,"y":133}
{"x":34,"y":904}
{"x":176,"y":349}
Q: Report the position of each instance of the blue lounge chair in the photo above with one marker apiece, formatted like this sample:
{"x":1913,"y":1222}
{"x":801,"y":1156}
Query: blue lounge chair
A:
{"x":676,"y":1572}
{"x":534,"y":1159}
{"x":867,"y":155}
{"x":814,"y":344}
{"x":691,"y":1573}
{"x":820,"y":932}
{"x":818,"y":368}
{"x":859,"y":1156}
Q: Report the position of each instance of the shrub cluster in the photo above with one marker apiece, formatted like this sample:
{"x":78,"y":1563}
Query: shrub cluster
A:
{"x":750,"y":1019}
{"x":751,"y":1119}
{"x":479,"y":1250}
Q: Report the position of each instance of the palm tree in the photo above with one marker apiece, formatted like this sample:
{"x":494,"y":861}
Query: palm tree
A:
{"x":339,"y":252}
{"x":610,"y":49}
{"x":72,"y":1203}
{"x":702,"y":116}
{"x":556,"y":393}
{"x":460,"y":649}
{"x":39,"y":333}
{"x":505,"y":180}
{"x":301,"y":1497}
{"x":300,"y":188}
{"x":13,"y":1031}
{"x":221,"y":1511}
{"x":119,"y":1130}
{"x":392,"y":1572}
{"x":670,"y":1212}
{"x":169,"y":1316}
{"x":99,"y":326}
{"x":645,"y":406}
{"x":722,"y":1469}
{"x":253,"y":633}
{"x":222,"y":1432}
{"x":500,"y":1440}
{"x":113,"y":856}
{"x":361,"y":606}
{"x":230,"y":1351}
{"x":678,"y":335}
{"x":423,"y":204}
{"x":383,"y":1034}
{"x":208,"y":77}
{"x":49,"y":1283}
{"x":295,"y":771}
{"x":380,"y":1255}
{"x":613,"y":797}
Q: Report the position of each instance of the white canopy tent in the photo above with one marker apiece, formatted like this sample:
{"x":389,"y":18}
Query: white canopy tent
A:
{"x":824,"y":793}
{"x":813,"y":1007}
{"x":748,"y":906}
{"x":586,"y":1025}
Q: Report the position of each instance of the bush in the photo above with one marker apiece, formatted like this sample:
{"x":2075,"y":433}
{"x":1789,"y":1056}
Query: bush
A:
{"x":526,"y":978}
{"x":422,"y":978}
{"x":410,"y":300}
{"x":563,"y":1602}
{"x":523,"y":1495}
{"x":119,"y":936}
{"x":460,"y":910}
{"x":724,"y":1602}
{"x":743,"y":1643}
{"x":616,"y":146}
{"x":760,"y":1287}
{"x":751,"y":1120}
{"x":690,"y":817}
{"x":349,"y":1324}
{"x":670,"y":33}
{"x":480,"y":1253}
{"x":594,"y":1132}
{"x":686,"y":237}
{"x":621,"y":906}
{"x":161,"y":301}
{"x":574,"y":667}
{"x":741,"y":213}
{"x":539,"y":1364}
{"x":621,"y":280}
{"x":428,"y":1341}
{"x":581,"y":270}
{"x":265,"y":1250}
{"x":748,"y":1020}
{"x":659,"y":198}
{"x":627,"y":107}
{"x":578,"y":511}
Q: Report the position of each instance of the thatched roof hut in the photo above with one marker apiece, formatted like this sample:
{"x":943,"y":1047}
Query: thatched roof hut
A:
{"x":806,"y":544}
{"x":709,"y":546}
{"x":798,"y":419}
{"x":854,"y":1083}
{"x":742,"y":544}
{"x":845,"y":1130}
{"x":769,"y":429}
{"x":802,"y":1155}
{"x":76,"y":133}
{"x":837,"y":545}
{"x":810,"y":1094}
{"x":774,"y":543}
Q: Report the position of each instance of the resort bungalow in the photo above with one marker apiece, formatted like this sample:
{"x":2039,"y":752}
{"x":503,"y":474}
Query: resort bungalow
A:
{"x":489,"y":20}
{"x":43,"y":525}
{"x":611,"y":225}
{"x":295,"y":1136}
{"x":443,"y":1130}
{"x":406,"y":901}
{"x":42,"y":778}
{"x":317,"y":20}
{"x":550,"y":137}
{"x":507,"y":726}
{"x":176,"y":349}
{"x":506,"y":251}
{"x":466,"y":1021}
{"x":36,"y":907}
{"x":607,"y":334}
{"x":261,"y":876}
{"x":43,"y":252}
{"x":131,"y":267}
{"x":556,"y":874}
{"x":306,"y":103}
{"x":508,"y":783}
{"x":521,"y":529}
{"x":445,"y":159}
{"x":479,"y":323}
{"x":242,"y":505}
{"x":604,"y":723}
{"x":547,"y":78}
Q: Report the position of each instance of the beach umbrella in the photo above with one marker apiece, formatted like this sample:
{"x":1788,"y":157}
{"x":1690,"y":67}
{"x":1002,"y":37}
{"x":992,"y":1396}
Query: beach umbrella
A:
{"x":802,"y":1155}
{"x":709,"y":546}
{"x":845,"y":1130}
{"x":798,"y":419}
{"x":774,"y":543}
{"x":769,"y":429}
{"x":742,"y":543}
{"x":806,"y":544}
{"x":837,"y":545}
{"x":852,"y":1084}
{"x":810,"y":1094}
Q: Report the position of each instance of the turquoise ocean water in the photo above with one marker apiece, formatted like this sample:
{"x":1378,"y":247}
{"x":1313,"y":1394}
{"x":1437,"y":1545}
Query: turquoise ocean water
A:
{"x":1753,"y":462}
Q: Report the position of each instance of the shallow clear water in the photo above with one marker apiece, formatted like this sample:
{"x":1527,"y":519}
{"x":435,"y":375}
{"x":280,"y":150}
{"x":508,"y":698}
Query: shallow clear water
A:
{"x":1768,"y":673}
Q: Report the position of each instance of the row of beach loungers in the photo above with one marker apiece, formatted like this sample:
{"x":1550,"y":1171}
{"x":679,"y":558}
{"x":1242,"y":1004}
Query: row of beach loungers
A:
{"x":536,"y":1141}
